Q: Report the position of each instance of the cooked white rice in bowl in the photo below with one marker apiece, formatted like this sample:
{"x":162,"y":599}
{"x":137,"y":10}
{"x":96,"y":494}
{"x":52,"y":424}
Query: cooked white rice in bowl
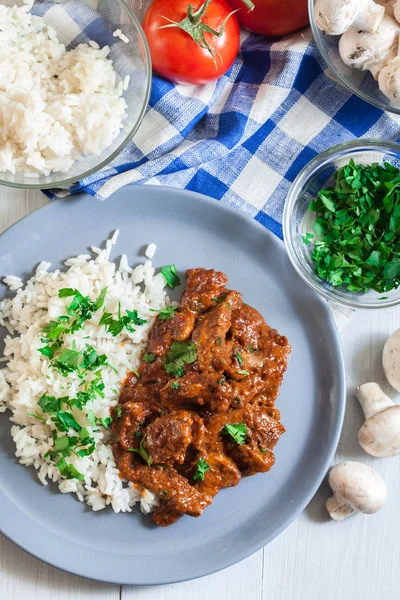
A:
{"x":73,"y":335}
{"x":58,"y":105}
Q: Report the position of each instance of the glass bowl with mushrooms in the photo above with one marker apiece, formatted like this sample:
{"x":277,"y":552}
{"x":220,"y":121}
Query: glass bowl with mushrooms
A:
{"x":359,"y":41}
{"x":341,"y":224}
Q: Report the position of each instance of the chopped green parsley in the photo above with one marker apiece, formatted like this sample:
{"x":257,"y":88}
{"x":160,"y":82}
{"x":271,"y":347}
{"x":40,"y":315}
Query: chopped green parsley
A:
{"x":171,"y":275}
{"x":179,"y":354}
{"x":202,"y":468}
{"x":167,"y":313}
{"x":356,"y":243}
{"x":236,"y":431}
{"x":149,"y":357}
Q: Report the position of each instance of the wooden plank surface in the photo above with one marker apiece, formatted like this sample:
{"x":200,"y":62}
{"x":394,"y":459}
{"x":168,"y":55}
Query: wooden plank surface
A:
{"x":314,"y":559}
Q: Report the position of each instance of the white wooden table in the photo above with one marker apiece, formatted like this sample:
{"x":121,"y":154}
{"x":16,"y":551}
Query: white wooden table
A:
{"x":314,"y":559}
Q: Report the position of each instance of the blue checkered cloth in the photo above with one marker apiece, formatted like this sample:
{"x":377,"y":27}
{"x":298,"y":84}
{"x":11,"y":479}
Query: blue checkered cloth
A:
{"x":244,"y":138}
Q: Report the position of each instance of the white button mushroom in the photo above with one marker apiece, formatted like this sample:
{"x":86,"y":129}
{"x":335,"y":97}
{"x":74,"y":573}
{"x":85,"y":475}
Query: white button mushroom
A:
{"x":334,"y":17}
{"x":392,"y":8}
{"x":370,"y":51}
{"x":388,"y":5}
{"x":356,"y":488}
{"x":380,"y":434}
{"x":389,"y":80}
{"x":391,"y":360}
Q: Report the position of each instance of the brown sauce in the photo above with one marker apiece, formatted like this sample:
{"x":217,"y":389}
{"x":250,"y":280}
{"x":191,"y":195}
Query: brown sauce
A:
{"x":214,"y":363}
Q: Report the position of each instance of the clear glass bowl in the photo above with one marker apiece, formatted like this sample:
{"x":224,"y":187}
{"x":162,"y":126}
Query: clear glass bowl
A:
{"x":358,"y":82}
{"x":132,"y":58}
{"x":297,"y":220}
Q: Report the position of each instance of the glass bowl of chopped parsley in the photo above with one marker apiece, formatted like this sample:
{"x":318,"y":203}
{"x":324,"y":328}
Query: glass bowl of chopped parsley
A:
{"x":341,"y":224}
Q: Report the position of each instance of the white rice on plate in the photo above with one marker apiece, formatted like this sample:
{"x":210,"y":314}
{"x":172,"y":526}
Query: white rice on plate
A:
{"x":28,"y":374}
{"x":56,"y":105}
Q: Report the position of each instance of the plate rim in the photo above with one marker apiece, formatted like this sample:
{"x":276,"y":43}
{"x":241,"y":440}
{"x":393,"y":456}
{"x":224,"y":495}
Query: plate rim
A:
{"x":339,"y":409}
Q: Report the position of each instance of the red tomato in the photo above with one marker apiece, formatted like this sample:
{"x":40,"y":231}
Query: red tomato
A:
{"x":273,"y":17}
{"x":175,"y":54}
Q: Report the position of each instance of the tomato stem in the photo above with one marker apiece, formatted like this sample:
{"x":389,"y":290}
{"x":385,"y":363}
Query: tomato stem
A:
{"x":196,"y":27}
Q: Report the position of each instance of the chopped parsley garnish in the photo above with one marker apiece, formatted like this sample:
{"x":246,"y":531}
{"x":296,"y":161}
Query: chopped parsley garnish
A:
{"x":64,"y":420}
{"x":70,"y":360}
{"x":117,"y":411}
{"x":68,"y":470}
{"x":91,"y":360}
{"x":241,"y":372}
{"x":237,"y":400}
{"x":149,"y":357}
{"x":80,"y":310}
{"x":91,"y":417}
{"x":175,"y":385}
{"x":37,"y":416}
{"x":115,"y":326}
{"x":236,"y":431}
{"x":180,"y":353}
{"x":250,"y":348}
{"x":167,"y":312}
{"x":202,"y":468}
{"x":50,"y":404}
{"x":95,"y":388}
{"x":239,"y":359}
{"x":100,"y":300}
{"x":81,"y":307}
{"x":134,"y":318}
{"x":82,"y":445}
{"x":47,"y":351}
{"x":86,"y":451}
{"x":143,"y":453}
{"x":222,"y":381}
{"x":54,"y":329}
{"x":67,"y":361}
{"x":171,"y":275}
{"x":104,"y":422}
{"x":356,"y":231}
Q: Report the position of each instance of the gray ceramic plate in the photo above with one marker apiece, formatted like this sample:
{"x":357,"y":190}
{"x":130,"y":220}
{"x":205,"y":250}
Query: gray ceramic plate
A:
{"x":190,"y":231}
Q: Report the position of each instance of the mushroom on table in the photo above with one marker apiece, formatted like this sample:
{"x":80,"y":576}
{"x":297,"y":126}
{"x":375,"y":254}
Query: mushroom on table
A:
{"x":356,"y":488}
{"x":380,"y":434}
{"x":391,"y":360}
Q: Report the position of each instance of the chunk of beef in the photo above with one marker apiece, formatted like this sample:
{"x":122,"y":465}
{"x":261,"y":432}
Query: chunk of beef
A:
{"x":175,"y":490}
{"x":222,"y":473}
{"x":251,"y":459}
{"x":202,"y":389}
{"x":263,"y":431}
{"x":130,"y":422}
{"x":202,"y":286}
{"x":164,"y":331}
{"x":210,"y":334}
{"x":164,"y":515}
{"x":167,"y":438}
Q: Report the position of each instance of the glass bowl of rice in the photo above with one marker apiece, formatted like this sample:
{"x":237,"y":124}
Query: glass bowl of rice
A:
{"x":299,"y":220}
{"x":75,"y":80}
